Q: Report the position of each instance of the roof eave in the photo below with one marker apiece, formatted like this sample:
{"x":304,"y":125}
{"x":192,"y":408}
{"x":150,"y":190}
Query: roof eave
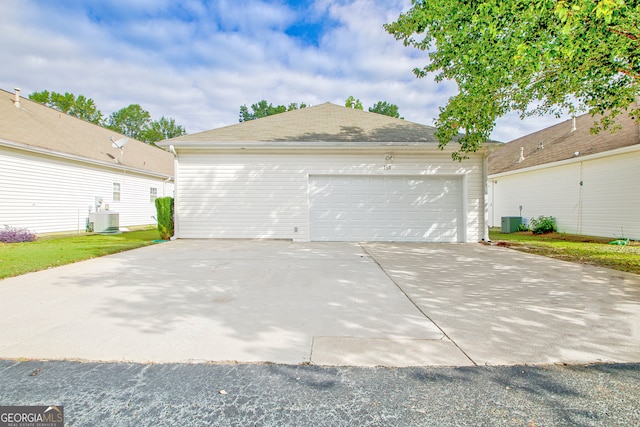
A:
{"x":580,"y":158}
{"x":52,"y":153}
{"x":313,"y":146}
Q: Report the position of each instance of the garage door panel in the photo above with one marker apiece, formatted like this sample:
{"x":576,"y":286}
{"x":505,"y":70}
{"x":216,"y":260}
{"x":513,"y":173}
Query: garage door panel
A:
{"x":385,"y":208}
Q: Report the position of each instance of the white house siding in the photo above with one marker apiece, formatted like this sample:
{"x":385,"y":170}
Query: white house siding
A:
{"x":266,"y":195}
{"x":606,"y":204}
{"x":48,"y":194}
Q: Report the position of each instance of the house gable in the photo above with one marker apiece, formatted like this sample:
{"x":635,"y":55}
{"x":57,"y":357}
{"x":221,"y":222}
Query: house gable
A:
{"x":327,"y":173}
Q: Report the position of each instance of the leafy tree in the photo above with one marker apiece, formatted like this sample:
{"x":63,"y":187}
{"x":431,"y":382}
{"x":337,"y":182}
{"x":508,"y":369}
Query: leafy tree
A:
{"x":80,"y":107}
{"x":534,"y":57}
{"x":131,"y":121}
{"x":296,"y":106}
{"x":159,"y":130}
{"x":62,"y":102}
{"x":43,"y":97}
{"x":85,"y":108}
{"x":264,"y":109}
{"x":383,"y":107}
{"x":351,"y":102}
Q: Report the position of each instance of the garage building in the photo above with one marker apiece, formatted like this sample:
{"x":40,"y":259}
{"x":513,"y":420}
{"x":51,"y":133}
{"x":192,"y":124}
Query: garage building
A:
{"x":327,"y":173}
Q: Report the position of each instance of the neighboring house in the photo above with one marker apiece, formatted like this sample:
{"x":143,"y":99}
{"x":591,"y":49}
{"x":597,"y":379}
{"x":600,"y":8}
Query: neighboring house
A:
{"x":327,"y":173}
{"x":588,"y":182}
{"x":53,"y":167}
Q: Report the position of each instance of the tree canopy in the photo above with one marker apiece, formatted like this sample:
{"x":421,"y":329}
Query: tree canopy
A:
{"x":533,"y":57}
{"x":383,"y":107}
{"x":380,"y":107}
{"x":132,"y":121}
{"x":80,"y":107}
{"x":135,"y":122}
{"x":165,"y":128}
{"x":352,"y":102}
{"x":263,"y":109}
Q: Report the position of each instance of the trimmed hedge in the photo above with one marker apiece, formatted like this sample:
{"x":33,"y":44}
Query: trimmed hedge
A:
{"x":164,"y":208}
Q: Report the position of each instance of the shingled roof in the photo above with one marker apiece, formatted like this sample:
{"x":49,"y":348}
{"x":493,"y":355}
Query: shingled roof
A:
{"x":559,"y":142}
{"x":35,"y":126}
{"x":322,"y":123}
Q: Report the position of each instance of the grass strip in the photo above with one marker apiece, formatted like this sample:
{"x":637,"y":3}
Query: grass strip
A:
{"x":581,"y":249}
{"x":51,"y":251}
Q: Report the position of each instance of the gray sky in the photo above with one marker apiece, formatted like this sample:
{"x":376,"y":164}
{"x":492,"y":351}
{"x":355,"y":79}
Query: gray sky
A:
{"x":198,"y":61}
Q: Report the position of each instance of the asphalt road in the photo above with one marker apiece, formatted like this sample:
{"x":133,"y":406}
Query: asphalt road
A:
{"x":128,"y":394}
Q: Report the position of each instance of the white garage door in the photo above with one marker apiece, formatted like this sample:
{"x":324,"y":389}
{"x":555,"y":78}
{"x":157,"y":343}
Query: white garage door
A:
{"x":385,"y":208}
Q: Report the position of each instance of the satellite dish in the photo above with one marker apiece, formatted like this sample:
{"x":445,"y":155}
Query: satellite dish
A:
{"x":119,"y":143}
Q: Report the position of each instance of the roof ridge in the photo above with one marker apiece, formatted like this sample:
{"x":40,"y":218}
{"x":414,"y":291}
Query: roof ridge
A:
{"x":323,"y":122}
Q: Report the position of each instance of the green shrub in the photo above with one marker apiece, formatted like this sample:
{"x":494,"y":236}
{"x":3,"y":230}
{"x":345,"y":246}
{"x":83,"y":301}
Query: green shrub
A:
{"x":543,"y":224}
{"x":522,"y":227}
{"x":164,"y":208}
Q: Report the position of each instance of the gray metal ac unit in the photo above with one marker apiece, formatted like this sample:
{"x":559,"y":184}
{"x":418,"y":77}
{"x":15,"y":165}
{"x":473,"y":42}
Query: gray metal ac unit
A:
{"x":105,"y":222}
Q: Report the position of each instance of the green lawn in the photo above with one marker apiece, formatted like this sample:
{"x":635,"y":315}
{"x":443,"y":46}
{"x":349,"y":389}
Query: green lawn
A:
{"x":53,"y":251}
{"x":582,"y":249}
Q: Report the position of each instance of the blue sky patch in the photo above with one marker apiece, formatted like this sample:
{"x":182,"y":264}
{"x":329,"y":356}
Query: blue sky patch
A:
{"x":309,"y":33}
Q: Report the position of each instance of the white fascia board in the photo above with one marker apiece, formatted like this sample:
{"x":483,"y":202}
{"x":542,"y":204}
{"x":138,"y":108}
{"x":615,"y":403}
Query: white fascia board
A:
{"x":579,"y":158}
{"x":44,"y":151}
{"x":317,"y":146}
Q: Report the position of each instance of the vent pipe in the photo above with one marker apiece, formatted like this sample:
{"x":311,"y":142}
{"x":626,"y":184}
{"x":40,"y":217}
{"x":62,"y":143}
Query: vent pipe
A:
{"x":16,"y":100}
{"x":521,"y":159}
{"x":573,"y":124}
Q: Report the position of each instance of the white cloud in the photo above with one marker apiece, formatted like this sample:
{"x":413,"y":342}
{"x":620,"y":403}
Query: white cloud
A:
{"x":228,"y":53}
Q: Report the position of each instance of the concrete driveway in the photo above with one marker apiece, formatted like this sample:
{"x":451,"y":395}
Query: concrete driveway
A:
{"x":323,"y":303}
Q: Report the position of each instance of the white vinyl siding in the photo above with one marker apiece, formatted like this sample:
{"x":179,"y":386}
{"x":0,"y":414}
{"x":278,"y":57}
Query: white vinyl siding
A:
{"x":47,"y":194}
{"x":606,"y":204}
{"x":266,"y":195}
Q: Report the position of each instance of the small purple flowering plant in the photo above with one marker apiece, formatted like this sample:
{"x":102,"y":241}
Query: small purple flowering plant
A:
{"x":16,"y":235}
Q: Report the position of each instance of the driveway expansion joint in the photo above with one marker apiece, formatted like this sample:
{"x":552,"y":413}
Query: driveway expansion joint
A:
{"x":416,"y":305}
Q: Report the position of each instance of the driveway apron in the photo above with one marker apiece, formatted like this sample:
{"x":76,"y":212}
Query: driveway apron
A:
{"x":322,"y":303}
{"x":221,"y":301}
{"x":502,"y":307}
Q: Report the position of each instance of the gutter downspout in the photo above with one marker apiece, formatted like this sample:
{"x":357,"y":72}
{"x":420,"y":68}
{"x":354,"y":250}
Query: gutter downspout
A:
{"x":164,"y":186}
{"x":176,"y":222}
{"x":485,"y":179}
